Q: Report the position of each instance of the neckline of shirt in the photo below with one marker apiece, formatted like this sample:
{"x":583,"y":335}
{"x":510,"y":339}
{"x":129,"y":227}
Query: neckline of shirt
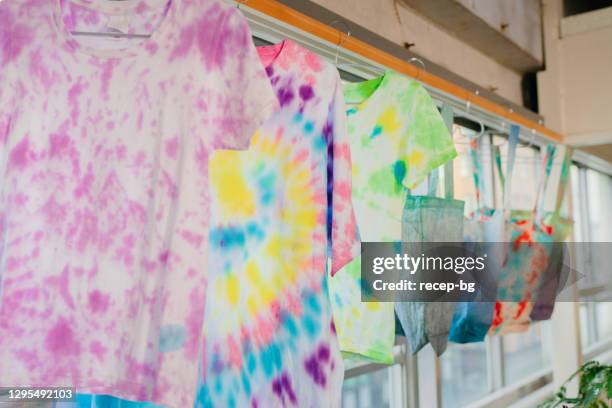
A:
{"x":273,"y":55}
{"x":112,"y":8}
{"x":357,"y":99}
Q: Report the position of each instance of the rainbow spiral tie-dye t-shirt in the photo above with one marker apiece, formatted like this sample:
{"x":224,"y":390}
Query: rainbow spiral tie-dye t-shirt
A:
{"x":397,"y":136}
{"x":278,"y":211}
{"x":104,"y":200}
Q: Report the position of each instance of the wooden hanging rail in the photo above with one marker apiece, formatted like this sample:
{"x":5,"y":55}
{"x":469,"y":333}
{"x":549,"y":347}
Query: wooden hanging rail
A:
{"x":279,"y":11}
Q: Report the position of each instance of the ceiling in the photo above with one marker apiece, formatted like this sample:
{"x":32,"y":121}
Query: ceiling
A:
{"x":603,"y":151}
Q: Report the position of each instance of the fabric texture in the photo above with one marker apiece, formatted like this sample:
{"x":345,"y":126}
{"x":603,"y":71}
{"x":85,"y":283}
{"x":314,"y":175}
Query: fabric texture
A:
{"x":483,"y":231}
{"x":527,"y":258}
{"x":428,"y":219}
{"x":104,"y":204}
{"x":534,"y":262}
{"x":278,"y":210}
{"x":397,"y":137}
{"x":560,"y":228}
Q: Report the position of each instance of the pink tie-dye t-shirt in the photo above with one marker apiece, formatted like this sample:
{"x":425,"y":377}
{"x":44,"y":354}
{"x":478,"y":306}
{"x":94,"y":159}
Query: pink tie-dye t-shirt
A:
{"x":104,"y":146}
{"x":279,"y":210}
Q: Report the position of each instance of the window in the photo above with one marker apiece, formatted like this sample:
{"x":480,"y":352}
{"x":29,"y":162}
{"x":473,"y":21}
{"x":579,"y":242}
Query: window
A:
{"x":524,"y":353}
{"x":464,"y":374}
{"x":371,"y":390}
{"x":592,"y":220}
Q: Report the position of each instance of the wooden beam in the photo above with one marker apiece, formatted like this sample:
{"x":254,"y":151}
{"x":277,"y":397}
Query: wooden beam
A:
{"x":281,"y":12}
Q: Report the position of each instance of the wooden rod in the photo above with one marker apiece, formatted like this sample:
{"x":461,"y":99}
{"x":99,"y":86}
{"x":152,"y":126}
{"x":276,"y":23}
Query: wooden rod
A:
{"x":330,"y":34}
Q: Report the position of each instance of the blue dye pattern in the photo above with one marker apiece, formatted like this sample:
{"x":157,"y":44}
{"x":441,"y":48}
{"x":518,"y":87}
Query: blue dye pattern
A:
{"x":266,"y":186}
{"x":399,"y":171}
{"x":308,"y":127}
{"x":251,"y":363}
{"x":377,"y":131}
{"x":289,"y":323}
{"x":319,"y":143}
{"x":246,"y":384}
{"x":227,"y":237}
{"x":311,"y":326}
{"x":312,"y":302}
{"x":255,"y":231}
{"x":171,"y":337}
{"x":271,"y":359}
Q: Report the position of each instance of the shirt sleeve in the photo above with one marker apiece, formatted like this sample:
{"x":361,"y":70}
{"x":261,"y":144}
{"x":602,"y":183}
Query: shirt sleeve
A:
{"x":427,"y":143}
{"x":343,"y":235}
{"x":250,"y":96}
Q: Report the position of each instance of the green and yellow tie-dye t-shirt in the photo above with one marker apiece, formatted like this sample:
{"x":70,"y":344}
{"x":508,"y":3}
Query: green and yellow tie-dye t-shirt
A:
{"x":397,"y":137}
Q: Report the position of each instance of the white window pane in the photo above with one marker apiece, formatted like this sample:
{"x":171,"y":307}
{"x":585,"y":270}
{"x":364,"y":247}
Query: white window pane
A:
{"x":585,"y":332}
{"x":603,"y":313}
{"x":599,"y":188}
{"x":370,"y":390}
{"x":576,"y":204}
{"x":464,"y":374}
{"x":523,"y":354}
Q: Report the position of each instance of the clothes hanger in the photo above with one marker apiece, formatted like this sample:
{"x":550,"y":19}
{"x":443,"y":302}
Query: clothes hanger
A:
{"x":343,"y":37}
{"x":420,"y":62}
{"x":468,"y":115}
{"x":341,"y":40}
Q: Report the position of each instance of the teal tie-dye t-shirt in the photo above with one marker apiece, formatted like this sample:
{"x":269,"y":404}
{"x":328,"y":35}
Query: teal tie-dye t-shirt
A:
{"x":397,"y":136}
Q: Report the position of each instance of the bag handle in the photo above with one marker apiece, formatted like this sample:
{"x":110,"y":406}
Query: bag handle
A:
{"x":513,"y":139}
{"x":477,"y":174}
{"x":563,"y":179}
{"x":547,"y":163}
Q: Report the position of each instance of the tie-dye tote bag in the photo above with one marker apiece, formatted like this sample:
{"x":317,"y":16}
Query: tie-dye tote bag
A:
{"x":529,"y":254}
{"x":483,"y":231}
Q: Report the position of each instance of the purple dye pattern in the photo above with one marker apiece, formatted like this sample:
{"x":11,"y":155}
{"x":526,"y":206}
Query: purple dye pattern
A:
{"x":14,"y":36}
{"x":285,"y":96}
{"x":281,"y":386}
{"x":306,"y":92}
{"x":281,"y":351}
{"x":102,"y":243}
{"x":286,"y":384}
{"x":316,"y":370}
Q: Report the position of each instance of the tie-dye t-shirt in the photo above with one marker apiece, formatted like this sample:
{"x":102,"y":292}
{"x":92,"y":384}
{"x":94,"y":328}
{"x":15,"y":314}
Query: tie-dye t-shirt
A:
{"x":397,"y":136}
{"x":104,"y":203}
{"x":270,"y":341}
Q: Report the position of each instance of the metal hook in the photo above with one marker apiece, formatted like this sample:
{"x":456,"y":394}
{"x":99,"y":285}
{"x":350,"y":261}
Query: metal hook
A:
{"x":420,"y":61}
{"x":241,"y":2}
{"x":341,"y":40}
{"x":532,"y":140}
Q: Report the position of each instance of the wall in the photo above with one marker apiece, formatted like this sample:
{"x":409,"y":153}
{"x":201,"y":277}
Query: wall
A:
{"x":430,"y":41}
{"x":575,"y":89}
{"x":586,"y":59}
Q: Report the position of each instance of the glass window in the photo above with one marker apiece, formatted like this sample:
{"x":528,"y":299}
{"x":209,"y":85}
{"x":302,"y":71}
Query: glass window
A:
{"x":599,"y":187}
{"x":371,"y":390}
{"x":586,"y":332}
{"x":577,"y":215}
{"x":464,"y":374}
{"x":524,"y":354}
{"x":603,"y":311}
